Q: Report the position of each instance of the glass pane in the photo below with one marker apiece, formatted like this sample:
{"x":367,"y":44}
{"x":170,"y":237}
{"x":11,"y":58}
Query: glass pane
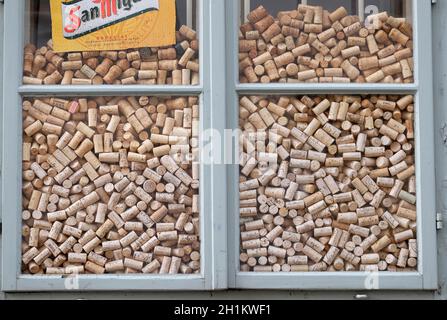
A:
{"x":275,"y":6}
{"x":177,"y":64}
{"x":326,"y":43}
{"x":332,"y":5}
{"x":396,"y":8}
{"x":327,"y":183}
{"x":110,"y":185}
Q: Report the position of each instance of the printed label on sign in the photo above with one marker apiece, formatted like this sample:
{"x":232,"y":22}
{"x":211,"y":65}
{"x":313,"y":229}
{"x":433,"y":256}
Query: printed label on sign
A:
{"x":92,"y":25}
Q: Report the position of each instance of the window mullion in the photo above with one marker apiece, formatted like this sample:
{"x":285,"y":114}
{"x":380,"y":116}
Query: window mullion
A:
{"x":361,"y":9}
{"x":339,"y":88}
{"x":109,"y":90}
{"x":189,"y":13}
{"x":247,"y":8}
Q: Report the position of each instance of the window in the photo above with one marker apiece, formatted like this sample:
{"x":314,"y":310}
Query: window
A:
{"x":265,"y":80}
{"x":284,"y":96}
{"x":74,"y":100}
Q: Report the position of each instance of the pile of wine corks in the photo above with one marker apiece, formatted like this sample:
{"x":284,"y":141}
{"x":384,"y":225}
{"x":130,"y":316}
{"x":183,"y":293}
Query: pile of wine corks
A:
{"x":311,"y":44}
{"x":176,"y":65}
{"x":110,"y":185}
{"x":327,"y":183}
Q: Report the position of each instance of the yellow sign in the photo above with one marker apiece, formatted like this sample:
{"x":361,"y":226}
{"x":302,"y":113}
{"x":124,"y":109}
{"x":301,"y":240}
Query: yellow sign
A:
{"x":94,"y":25}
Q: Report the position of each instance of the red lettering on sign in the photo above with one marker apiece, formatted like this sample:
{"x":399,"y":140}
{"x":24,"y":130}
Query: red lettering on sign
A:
{"x":75,"y":21}
{"x":108,"y":7}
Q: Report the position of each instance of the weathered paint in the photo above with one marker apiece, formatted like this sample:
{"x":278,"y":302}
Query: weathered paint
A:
{"x":440,"y":105}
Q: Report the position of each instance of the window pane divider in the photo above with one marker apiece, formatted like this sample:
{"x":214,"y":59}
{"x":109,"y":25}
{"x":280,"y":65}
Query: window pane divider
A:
{"x":330,"y":88}
{"x":361,"y":9}
{"x":189,"y":13}
{"x":135,"y":282}
{"x":247,"y":8}
{"x":329,"y":280}
{"x":109,"y":90}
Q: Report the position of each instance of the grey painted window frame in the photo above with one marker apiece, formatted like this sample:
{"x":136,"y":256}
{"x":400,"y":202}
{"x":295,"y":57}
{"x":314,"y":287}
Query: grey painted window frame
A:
{"x":213,"y":274}
{"x":426,"y":277}
{"x":1,"y":93}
